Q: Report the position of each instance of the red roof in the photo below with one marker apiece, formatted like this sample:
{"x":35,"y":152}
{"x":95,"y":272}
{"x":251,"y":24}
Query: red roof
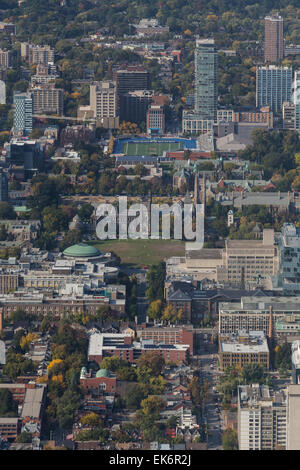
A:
{"x":178,"y":155}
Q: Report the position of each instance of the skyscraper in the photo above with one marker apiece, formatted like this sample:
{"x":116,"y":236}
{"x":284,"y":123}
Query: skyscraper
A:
{"x":3,"y":186}
{"x":273,"y":86}
{"x":206,"y":79}
{"x":201,"y":119}
{"x":22,"y":113}
{"x":274,"y":45}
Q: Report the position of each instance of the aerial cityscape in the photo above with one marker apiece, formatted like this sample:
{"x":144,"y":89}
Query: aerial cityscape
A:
{"x":149,"y":227}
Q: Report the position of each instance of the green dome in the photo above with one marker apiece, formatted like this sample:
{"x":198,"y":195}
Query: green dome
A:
{"x":81,"y":250}
{"x":102,"y":373}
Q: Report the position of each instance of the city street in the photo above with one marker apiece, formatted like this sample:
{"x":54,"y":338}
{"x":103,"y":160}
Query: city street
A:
{"x":208,"y":365}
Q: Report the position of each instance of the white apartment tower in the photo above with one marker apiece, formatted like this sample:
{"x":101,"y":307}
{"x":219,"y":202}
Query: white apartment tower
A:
{"x":262,"y":420}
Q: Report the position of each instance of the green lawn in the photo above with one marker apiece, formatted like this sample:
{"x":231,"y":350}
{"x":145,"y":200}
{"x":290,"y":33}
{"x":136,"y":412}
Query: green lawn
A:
{"x":150,"y":148}
{"x":136,"y":253}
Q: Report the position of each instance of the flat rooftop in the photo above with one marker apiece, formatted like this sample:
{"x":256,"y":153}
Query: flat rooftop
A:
{"x":33,"y":402}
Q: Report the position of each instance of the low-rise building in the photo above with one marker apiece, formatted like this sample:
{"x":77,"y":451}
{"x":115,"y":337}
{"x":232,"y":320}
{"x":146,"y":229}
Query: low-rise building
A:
{"x":243,"y":348}
{"x":122,"y":345}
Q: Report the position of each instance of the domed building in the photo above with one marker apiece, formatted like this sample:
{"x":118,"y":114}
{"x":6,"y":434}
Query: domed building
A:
{"x":101,"y":383}
{"x":102,"y":373}
{"x":83,"y":252}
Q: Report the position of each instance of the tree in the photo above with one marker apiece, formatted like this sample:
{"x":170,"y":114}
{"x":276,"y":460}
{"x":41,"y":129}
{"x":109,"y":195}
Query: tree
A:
{"x":7,"y":211}
{"x":44,"y":193}
{"x":283,"y":356}
{"x":254,"y":373}
{"x":155,"y":310}
{"x":67,"y":406}
{"x":171,"y":314}
{"x":229,"y":440}
{"x":156,"y":278}
{"x":92,"y":420}
{"x":25,"y":341}
{"x":85,"y":212}
{"x":8,"y":407}
{"x":152,"y":361}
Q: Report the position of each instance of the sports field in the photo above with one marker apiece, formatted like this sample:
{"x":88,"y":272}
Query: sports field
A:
{"x":136,"y":253}
{"x":150,"y":148}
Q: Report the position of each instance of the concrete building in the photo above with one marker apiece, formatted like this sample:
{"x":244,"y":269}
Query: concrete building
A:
{"x":122,"y":345}
{"x":296,"y":362}
{"x":150,"y":27}
{"x":288,"y":277}
{"x":289,"y":116}
{"x":206,"y":79}
{"x":48,"y":100}
{"x":201,"y":119}
{"x":37,"y":54}
{"x":293,"y":417}
{"x":2,"y":92}
{"x":267,"y":314}
{"x":8,"y":28}
{"x":168,"y":335}
{"x":5,"y":58}
{"x":273,"y":86}
{"x":133,"y":106}
{"x":155,"y":120}
{"x":3,"y":186}
{"x":192,"y":123}
{"x":262,"y":418}
{"x":241,"y":348}
{"x":274,"y":43}
{"x":131,"y":79}
{"x":103,"y":103}
{"x":9,"y":428}
{"x":23,"y":113}
{"x":33,"y":410}
{"x":25,"y":154}
{"x":239,"y":263}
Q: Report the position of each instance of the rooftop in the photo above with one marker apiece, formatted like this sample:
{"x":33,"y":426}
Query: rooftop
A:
{"x":81,"y":250}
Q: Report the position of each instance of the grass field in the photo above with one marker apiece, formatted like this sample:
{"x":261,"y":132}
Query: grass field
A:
{"x":150,"y":148}
{"x":136,"y":253}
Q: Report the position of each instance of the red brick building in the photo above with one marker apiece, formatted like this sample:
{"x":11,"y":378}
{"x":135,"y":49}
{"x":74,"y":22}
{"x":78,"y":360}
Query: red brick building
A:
{"x":122,"y":345}
{"x":99,"y":383}
{"x":168,"y":335}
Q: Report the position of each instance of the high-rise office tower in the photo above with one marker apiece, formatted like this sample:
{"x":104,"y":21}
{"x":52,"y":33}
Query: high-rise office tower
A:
{"x":273,"y":86}
{"x":274,"y":44}
{"x":132,"y":79}
{"x":3,"y":186}
{"x":22,"y":113}
{"x":206,"y":79}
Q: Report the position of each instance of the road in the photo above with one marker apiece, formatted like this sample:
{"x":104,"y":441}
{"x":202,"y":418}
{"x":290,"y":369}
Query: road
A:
{"x":208,"y":365}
